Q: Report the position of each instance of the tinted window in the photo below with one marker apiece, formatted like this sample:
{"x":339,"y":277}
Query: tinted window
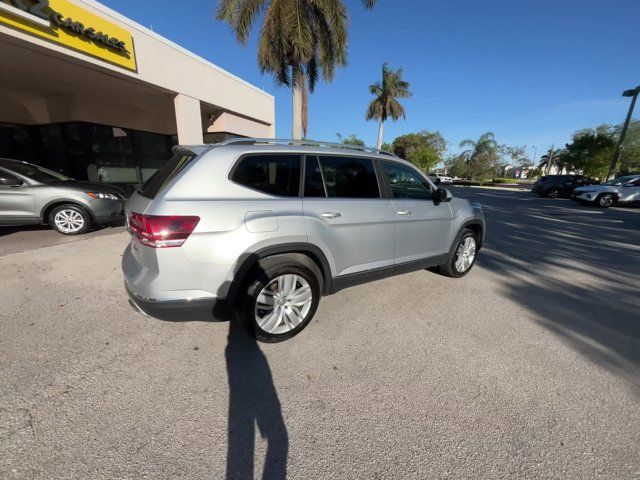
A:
{"x":7,"y":175}
{"x":349,"y":177}
{"x":34,"y":172}
{"x":273,"y":174}
{"x":165,"y":174}
{"x":406,"y":182}
{"x":313,"y":186}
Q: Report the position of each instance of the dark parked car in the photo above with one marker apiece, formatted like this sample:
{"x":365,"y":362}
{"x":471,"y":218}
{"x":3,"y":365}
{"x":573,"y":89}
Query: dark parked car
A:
{"x":31,"y":195}
{"x":554,"y":186}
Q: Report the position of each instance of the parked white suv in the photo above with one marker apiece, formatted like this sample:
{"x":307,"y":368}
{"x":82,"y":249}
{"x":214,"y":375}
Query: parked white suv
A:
{"x":441,"y":178}
{"x":267,"y":227}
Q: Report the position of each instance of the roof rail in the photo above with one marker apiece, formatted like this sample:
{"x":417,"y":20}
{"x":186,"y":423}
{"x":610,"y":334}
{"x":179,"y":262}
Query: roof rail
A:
{"x":308,"y":143}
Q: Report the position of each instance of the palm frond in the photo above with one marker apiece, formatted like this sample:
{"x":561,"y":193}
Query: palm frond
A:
{"x":299,"y":40}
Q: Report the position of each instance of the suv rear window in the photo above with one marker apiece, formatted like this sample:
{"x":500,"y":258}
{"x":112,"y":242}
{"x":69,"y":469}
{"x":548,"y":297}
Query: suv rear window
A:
{"x":349,"y":177}
{"x":273,"y":174}
{"x":165,"y":174}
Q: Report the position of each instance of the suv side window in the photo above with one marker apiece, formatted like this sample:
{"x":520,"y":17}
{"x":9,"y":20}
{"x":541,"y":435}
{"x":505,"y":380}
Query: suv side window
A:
{"x":7,"y":175}
{"x":276,"y":174}
{"x":406,"y":182}
{"x":349,"y":177}
{"x":313,"y":184}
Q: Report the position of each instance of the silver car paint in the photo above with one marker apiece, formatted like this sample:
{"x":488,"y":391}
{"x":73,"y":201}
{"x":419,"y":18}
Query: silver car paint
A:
{"x":363,"y":237}
{"x":625,"y":193}
{"x":26,"y":204}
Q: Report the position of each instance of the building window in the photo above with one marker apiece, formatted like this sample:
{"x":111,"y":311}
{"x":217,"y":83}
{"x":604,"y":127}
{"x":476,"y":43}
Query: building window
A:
{"x":87,"y":151}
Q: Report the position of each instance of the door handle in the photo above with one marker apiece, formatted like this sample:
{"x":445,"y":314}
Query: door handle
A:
{"x":404,"y":212}
{"x":330,"y":215}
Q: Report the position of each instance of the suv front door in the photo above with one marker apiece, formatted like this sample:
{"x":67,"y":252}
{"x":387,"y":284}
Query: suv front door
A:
{"x":346,"y":214}
{"x":630,"y":191}
{"x":424,"y":227}
{"x":16,"y":201}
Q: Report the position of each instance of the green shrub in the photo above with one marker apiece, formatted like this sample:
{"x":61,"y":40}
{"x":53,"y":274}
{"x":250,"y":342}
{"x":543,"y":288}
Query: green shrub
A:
{"x":505,"y":180}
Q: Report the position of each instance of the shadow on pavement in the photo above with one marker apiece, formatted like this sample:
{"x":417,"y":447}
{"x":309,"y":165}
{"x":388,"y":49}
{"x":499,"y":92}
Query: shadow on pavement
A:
{"x":577,"y":269}
{"x":11,"y":229}
{"x":253,"y":401}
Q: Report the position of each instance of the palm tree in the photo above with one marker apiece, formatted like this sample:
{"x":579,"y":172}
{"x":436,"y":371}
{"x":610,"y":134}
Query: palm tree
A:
{"x":479,"y":153}
{"x":385,"y":104}
{"x":299,"y":41}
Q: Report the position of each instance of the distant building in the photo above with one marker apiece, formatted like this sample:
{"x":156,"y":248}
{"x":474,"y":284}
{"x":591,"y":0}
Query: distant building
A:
{"x":92,"y":94}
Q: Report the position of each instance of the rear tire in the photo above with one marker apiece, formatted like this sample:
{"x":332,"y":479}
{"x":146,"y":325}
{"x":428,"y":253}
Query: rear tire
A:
{"x":281,"y":297}
{"x":464,"y":256}
{"x":606,"y":200}
{"x":70,"y":219}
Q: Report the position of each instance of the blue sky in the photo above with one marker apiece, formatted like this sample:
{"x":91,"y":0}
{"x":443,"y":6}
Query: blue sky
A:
{"x":530,"y":71}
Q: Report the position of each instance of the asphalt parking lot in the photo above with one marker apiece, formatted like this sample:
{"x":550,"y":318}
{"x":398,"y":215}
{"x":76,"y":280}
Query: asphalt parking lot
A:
{"x":529,"y":367}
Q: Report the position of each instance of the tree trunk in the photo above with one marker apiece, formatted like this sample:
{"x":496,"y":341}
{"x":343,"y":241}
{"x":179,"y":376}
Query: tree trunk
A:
{"x":296,"y":132}
{"x":380,"y":132}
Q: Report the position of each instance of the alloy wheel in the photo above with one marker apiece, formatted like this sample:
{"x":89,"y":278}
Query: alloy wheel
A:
{"x":465,"y":254}
{"x":69,"y":220}
{"x":606,"y":201}
{"x":283,"y":304}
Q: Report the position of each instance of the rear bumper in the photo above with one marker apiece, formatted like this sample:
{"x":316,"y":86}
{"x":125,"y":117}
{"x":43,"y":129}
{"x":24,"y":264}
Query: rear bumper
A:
{"x":205,"y":310}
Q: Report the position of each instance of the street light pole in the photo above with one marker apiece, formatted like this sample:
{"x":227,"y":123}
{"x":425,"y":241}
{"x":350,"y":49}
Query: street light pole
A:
{"x":616,"y":154}
{"x":535,"y":152}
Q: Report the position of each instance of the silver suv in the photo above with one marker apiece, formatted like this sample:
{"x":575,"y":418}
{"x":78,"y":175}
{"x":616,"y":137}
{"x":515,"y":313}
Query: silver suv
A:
{"x":621,"y":190}
{"x":264,"y":228}
{"x":33,"y":195}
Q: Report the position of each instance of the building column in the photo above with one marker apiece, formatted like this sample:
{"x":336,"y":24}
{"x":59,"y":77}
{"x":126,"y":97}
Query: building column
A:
{"x":188,"y":120}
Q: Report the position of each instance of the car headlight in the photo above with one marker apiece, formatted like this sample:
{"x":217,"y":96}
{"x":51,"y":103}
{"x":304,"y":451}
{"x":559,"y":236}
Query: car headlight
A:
{"x":103,"y":196}
{"x":582,"y":192}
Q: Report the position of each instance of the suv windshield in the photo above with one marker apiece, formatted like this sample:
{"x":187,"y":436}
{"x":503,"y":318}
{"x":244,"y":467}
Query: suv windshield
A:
{"x":620,"y":180}
{"x":34,"y":172}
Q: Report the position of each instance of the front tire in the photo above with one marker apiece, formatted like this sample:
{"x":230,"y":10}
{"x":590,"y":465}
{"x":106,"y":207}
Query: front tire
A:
{"x":463,"y":257}
{"x":70,"y":219}
{"x":281,"y":297}
{"x":606,"y":200}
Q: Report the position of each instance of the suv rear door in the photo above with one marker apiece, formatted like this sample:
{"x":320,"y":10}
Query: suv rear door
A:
{"x":424,"y":227}
{"x":345,"y":213}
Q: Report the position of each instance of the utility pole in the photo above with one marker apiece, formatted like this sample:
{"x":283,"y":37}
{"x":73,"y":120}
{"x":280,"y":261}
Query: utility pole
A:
{"x":616,"y":154}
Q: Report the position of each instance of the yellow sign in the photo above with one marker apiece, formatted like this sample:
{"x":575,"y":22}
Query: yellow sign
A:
{"x":67,"y":24}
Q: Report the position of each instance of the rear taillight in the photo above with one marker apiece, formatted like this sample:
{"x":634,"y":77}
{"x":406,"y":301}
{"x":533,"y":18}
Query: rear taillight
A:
{"x":160,"y":231}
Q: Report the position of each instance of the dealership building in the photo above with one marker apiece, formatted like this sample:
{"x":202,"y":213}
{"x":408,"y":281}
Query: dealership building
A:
{"x":88,"y":92}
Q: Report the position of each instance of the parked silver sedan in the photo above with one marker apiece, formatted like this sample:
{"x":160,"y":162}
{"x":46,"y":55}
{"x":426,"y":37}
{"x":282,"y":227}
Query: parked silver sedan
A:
{"x":621,"y":190}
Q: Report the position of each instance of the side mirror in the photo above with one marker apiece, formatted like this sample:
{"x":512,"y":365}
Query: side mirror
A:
{"x":443,"y":195}
{"x":10,"y":182}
